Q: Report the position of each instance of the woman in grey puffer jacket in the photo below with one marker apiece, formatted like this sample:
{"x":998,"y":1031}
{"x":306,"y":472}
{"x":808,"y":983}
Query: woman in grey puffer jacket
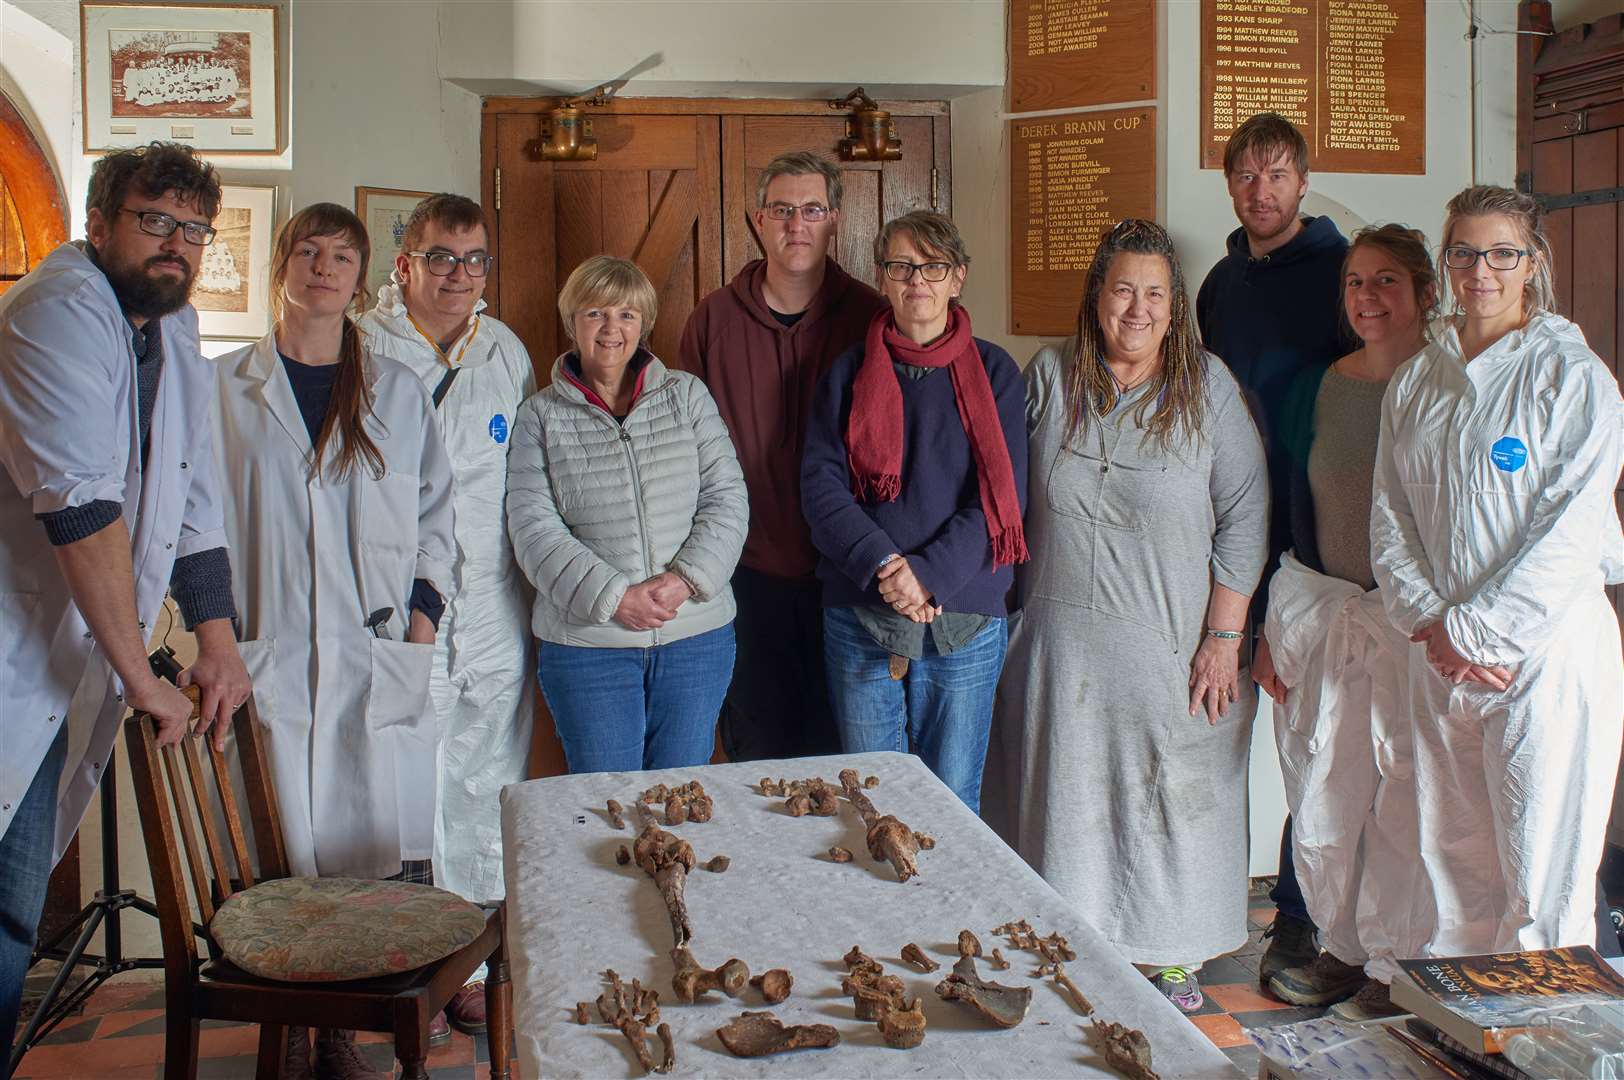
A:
{"x":627,"y":510}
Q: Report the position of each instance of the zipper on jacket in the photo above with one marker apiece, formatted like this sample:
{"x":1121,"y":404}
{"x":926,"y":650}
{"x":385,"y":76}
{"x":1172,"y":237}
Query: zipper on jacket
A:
{"x":637,"y":501}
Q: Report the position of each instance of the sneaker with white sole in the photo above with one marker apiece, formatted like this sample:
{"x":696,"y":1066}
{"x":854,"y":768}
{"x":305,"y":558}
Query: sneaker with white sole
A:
{"x":1374,"y":1001}
{"x":1326,"y":981}
{"x":1180,"y":987}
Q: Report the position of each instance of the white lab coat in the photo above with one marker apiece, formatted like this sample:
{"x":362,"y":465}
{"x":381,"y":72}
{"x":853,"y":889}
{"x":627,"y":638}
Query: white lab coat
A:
{"x":1344,"y":741}
{"x":69,"y":435}
{"x":349,"y":723}
{"x":1494,"y":512}
{"x":481,"y":682}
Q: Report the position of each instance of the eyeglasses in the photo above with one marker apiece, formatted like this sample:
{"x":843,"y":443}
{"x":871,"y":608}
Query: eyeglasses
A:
{"x":443,"y":263}
{"x":900,"y":270}
{"x":1461,"y":257}
{"x":811,"y":211}
{"x":158,"y":223}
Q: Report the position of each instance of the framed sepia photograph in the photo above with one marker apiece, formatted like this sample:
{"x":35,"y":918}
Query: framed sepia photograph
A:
{"x":384,"y":210}
{"x":232,"y":290}
{"x":207,"y":76}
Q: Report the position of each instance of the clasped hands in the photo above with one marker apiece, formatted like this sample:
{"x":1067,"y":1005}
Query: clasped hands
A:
{"x":1452,"y":666}
{"x":902,"y":590}
{"x":651,"y":604}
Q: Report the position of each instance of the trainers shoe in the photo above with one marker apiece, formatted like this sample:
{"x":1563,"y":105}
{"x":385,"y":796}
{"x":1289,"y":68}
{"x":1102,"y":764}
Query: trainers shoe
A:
{"x":439,"y":1030}
{"x":1291,"y":944}
{"x":1374,"y":1001}
{"x":296,"y":1064}
{"x":338,"y":1058}
{"x":1179,"y":987}
{"x":467,"y":1009}
{"x":1323,"y":982}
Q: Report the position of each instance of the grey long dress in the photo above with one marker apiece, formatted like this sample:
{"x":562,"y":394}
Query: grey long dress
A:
{"x":1098,"y":775}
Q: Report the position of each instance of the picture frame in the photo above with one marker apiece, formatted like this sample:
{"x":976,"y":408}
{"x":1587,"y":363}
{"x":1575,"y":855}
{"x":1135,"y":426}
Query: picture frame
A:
{"x":232,"y":289}
{"x":208,"y":76}
{"x":384,"y":212}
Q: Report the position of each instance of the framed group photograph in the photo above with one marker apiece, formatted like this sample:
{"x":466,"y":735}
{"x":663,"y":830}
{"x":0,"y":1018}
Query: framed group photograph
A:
{"x":232,"y":290}
{"x":204,"y":75}
{"x":384,"y":210}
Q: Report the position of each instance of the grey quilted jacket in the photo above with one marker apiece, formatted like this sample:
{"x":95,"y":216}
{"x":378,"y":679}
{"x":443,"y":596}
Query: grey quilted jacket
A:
{"x":595,"y":506}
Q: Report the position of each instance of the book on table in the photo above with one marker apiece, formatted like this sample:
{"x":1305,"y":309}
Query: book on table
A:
{"x":1472,"y":998}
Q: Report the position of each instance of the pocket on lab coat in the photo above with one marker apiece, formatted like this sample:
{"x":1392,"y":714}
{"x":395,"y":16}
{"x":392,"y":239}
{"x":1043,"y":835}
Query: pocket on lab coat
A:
{"x":391,"y":506}
{"x":399,"y":710}
{"x":259,"y":657}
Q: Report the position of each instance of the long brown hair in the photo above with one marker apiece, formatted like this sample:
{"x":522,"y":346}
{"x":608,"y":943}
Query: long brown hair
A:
{"x":351,"y":402}
{"x":1178,"y":389}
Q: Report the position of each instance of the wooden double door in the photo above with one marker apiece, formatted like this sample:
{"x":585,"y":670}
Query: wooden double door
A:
{"x":673,"y":188}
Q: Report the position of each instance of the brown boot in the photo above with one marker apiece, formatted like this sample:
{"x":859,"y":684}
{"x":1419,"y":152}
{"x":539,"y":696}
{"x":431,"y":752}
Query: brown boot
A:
{"x":296,"y":1065}
{"x":467,"y":1009}
{"x":339,"y":1058}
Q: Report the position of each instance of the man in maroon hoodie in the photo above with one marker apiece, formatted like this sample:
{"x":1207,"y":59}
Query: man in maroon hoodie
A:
{"x":760,"y":345}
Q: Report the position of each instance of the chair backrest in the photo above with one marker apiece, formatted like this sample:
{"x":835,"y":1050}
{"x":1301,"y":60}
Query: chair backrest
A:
{"x":171,"y":790}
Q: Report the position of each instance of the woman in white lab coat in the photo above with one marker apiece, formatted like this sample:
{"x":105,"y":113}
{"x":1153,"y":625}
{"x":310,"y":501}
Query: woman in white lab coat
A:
{"x":1493,"y":531}
{"x":337,"y":490}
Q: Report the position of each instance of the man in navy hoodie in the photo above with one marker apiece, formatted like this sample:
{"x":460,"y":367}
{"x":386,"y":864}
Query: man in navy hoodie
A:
{"x":1269,"y":309}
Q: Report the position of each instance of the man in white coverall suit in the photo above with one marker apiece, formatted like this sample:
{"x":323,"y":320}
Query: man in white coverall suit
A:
{"x":430,"y":319}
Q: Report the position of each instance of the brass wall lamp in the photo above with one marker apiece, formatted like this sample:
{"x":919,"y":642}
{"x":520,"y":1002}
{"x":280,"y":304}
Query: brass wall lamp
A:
{"x":870,"y":133}
{"x":566,"y":133}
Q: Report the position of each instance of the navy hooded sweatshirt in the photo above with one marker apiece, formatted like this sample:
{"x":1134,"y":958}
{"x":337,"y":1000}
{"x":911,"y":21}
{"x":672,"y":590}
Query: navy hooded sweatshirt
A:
{"x":1269,"y":318}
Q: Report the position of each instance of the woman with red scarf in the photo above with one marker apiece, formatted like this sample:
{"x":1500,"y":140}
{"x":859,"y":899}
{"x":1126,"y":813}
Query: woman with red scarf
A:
{"x":913,"y":481}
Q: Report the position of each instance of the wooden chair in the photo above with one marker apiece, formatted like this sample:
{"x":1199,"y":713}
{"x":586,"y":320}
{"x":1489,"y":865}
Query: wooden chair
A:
{"x":197,"y":988}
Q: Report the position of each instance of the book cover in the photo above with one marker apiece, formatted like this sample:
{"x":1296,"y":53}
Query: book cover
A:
{"x":1468,"y":996}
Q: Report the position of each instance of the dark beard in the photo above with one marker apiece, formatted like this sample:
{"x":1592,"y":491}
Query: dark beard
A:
{"x":145,"y":296}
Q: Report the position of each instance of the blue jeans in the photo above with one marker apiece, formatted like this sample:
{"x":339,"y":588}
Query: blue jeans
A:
{"x":25,"y":871}
{"x":942,"y":708}
{"x":621,"y":710}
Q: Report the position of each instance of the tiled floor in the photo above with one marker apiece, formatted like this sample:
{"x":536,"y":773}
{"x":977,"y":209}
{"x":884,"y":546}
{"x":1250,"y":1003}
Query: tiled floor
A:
{"x":120,"y":1034}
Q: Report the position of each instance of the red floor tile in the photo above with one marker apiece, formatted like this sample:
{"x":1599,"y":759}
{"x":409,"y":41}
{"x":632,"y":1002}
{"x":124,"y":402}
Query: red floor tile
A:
{"x":1242,"y":997}
{"x":1221,"y":1029}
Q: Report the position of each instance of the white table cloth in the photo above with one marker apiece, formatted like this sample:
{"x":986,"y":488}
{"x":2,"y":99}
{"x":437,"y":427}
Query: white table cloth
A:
{"x":573,"y":912}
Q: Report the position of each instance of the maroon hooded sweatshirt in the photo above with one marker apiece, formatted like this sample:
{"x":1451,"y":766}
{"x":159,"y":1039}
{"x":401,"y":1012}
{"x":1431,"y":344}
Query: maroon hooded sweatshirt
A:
{"x":763,"y":375}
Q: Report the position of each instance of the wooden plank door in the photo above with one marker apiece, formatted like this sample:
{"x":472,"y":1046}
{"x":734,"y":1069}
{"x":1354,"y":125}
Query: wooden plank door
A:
{"x":653,"y":195}
{"x":873,"y":192}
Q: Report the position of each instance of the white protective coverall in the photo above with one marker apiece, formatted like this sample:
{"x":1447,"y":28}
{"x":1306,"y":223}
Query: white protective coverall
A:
{"x":1344,"y":741}
{"x":351,"y":731}
{"x":69,"y":435}
{"x":1493,"y":512}
{"x":482,"y":677}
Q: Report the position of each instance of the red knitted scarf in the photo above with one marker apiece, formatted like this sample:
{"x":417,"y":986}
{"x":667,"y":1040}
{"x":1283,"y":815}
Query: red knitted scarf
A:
{"x":874,"y":429}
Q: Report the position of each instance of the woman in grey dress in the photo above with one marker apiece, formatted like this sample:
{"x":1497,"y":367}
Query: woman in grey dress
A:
{"x":1125,"y":711}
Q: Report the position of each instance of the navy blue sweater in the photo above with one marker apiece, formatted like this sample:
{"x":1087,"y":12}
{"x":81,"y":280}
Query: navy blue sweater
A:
{"x":1268,"y":319}
{"x":936,"y":520}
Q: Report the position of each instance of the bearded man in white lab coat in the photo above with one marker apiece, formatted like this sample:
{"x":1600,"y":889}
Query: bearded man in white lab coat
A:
{"x":107,"y":502}
{"x":430,"y":318}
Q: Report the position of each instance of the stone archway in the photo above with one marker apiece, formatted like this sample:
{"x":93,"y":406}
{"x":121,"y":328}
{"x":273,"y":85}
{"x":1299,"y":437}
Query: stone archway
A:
{"x":33,"y":211}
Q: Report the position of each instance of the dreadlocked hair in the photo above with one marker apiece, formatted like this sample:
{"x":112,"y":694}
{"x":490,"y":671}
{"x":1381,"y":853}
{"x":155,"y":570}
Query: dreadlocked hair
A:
{"x":1177,"y":389}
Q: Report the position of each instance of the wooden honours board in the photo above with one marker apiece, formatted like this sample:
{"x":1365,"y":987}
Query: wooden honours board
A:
{"x":1071,"y":178}
{"x":1073,"y":53}
{"x":1351,"y":74}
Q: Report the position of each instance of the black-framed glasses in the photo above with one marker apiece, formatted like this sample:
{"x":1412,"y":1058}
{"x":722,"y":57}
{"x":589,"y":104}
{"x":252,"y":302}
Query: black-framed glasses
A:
{"x":781,"y":211}
{"x":1461,"y":257}
{"x":444,"y":264}
{"x":158,"y":223}
{"x":902,"y":270}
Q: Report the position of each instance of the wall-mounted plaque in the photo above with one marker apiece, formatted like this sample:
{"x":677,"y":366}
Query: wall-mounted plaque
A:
{"x":1071,"y":178}
{"x":1350,"y":73}
{"x":1073,"y":53}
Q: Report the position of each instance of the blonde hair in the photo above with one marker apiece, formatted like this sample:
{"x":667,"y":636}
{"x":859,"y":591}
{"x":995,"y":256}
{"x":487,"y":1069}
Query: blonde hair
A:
{"x":1178,"y":390}
{"x":605,"y":281}
{"x":1539,"y":291}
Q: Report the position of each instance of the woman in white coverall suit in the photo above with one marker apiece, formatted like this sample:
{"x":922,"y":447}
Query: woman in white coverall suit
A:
{"x":338,"y":503}
{"x":1334,"y":664}
{"x":1493,"y":531}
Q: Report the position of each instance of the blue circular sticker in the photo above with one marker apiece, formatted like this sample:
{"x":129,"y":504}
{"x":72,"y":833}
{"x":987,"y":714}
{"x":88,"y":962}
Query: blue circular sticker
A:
{"x":1508,"y":453}
{"x":499,"y":428}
